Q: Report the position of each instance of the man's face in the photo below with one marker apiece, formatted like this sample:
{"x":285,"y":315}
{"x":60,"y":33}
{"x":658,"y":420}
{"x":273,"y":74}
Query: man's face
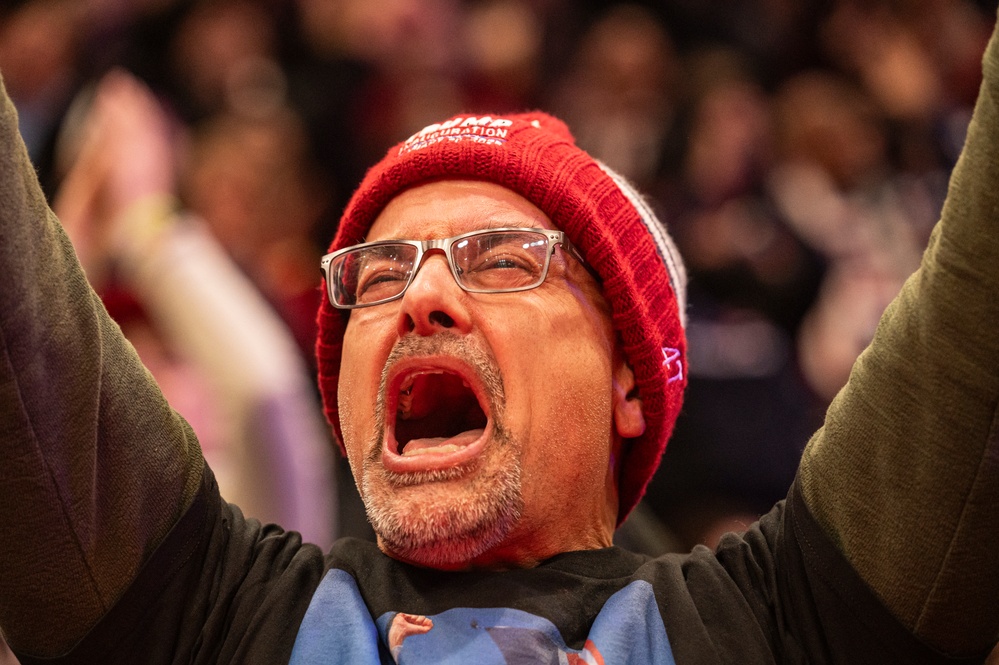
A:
{"x":483,"y":428}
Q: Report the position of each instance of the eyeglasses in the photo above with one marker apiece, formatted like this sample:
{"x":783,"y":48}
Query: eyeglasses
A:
{"x":486,"y":261}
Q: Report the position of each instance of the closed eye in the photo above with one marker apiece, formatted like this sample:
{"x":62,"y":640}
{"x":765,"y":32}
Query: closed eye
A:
{"x":503,"y":263}
{"x":375,"y":283}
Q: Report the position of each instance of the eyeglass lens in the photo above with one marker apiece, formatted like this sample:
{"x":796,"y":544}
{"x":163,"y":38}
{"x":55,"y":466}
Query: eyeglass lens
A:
{"x":372,"y":274}
{"x":485,"y":262}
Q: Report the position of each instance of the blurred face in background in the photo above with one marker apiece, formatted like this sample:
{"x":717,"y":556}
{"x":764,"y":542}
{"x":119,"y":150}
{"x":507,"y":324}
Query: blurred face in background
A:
{"x":252,"y":182}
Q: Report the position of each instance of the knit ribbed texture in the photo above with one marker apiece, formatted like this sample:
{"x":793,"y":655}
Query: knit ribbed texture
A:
{"x":535,"y":156}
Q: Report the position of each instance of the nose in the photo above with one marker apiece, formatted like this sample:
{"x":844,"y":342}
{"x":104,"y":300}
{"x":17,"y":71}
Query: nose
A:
{"x":434,"y":302}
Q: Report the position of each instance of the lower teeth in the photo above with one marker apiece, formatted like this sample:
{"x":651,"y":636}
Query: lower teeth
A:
{"x":436,"y":449}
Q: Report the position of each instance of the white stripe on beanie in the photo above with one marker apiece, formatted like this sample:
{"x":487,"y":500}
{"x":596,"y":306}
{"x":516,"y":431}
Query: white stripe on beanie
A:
{"x":664,"y":243}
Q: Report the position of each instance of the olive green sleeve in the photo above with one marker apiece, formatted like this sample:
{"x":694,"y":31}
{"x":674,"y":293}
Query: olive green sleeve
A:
{"x":904,"y":475}
{"x":94,"y":465}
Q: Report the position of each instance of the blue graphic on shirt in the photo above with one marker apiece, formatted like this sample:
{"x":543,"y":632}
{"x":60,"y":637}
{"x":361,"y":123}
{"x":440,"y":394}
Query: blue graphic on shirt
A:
{"x":338,"y":629}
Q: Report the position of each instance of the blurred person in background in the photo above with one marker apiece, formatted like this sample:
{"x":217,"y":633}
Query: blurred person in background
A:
{"x":501,"y":55}
{"x":252,"y":182}
{"x":225,"y":55}
{"x":919,"y":62}
{"x":835,"y":185}
{"x":363,"y":74}
{"x":747,"y":413}
{"x":40,"y":57}
{"x":408,"y":52}
{"x":217,"y":349}
{"x":618,"y":95}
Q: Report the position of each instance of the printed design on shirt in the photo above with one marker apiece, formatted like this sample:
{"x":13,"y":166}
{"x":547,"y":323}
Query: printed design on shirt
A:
{"x":337,"y":627}
{"x":494,"y":635}
{"x":487,"y":129}
{"x":628,"y":630}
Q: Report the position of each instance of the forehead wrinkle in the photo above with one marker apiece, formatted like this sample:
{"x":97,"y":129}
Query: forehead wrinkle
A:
{"x":468,"y":206}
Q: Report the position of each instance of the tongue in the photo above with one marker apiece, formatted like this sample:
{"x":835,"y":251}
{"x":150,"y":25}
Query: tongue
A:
{"x":440,"y":444}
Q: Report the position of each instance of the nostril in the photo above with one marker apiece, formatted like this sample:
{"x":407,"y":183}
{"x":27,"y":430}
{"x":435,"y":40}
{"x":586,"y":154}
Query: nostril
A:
{"x":440,"y":318}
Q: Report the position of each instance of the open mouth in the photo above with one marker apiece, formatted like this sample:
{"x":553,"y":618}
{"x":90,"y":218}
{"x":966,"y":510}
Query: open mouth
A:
{"x":437,"y":411}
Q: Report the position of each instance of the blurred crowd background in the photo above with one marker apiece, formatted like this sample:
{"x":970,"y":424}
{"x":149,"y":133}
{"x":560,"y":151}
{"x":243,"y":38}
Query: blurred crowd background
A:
{"x":798,"y":151}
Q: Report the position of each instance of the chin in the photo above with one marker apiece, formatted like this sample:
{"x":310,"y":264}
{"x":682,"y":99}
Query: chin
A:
{"x":448,"y":519}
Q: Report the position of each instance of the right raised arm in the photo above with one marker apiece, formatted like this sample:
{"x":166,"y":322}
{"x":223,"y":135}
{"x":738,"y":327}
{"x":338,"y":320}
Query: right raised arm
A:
{"x":904,"y":475}
{"x":95,"y":467}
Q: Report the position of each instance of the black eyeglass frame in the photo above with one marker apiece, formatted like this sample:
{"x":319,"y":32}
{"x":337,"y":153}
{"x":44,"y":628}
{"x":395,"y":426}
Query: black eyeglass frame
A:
{"x":424,"y":247}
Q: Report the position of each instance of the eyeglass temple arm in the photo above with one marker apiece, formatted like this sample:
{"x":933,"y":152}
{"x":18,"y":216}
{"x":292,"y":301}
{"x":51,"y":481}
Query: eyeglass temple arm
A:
{"x":576,"y":254}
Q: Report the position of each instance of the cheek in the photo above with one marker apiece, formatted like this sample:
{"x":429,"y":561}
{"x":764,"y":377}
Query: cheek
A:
{"x":578,"y":351}
{"x":360,"y":374}
{"x":566,"y":360}
{"x":347,"y":403}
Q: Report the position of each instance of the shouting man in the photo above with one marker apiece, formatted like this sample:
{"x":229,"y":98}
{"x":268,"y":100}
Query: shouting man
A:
{"x":502,"y":358}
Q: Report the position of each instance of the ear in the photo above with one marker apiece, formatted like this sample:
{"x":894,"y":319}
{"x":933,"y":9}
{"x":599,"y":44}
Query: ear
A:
{"x":629,"y":420}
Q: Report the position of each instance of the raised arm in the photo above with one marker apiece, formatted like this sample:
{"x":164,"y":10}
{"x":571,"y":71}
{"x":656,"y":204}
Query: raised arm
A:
{"x":904,"y":474}
{"x":94,"y":465}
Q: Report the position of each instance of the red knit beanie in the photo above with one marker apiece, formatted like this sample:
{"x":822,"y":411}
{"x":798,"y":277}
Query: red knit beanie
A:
{"x":535,"y":156}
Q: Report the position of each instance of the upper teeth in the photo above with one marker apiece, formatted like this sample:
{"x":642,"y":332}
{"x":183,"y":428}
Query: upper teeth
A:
{"x":407,"y":384}
{"x":406,"y":391}
{"x":405,"y":405}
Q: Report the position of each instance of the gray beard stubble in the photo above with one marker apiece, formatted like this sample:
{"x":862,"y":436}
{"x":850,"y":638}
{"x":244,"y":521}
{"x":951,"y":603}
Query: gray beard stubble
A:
{"x":486,"y":511}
